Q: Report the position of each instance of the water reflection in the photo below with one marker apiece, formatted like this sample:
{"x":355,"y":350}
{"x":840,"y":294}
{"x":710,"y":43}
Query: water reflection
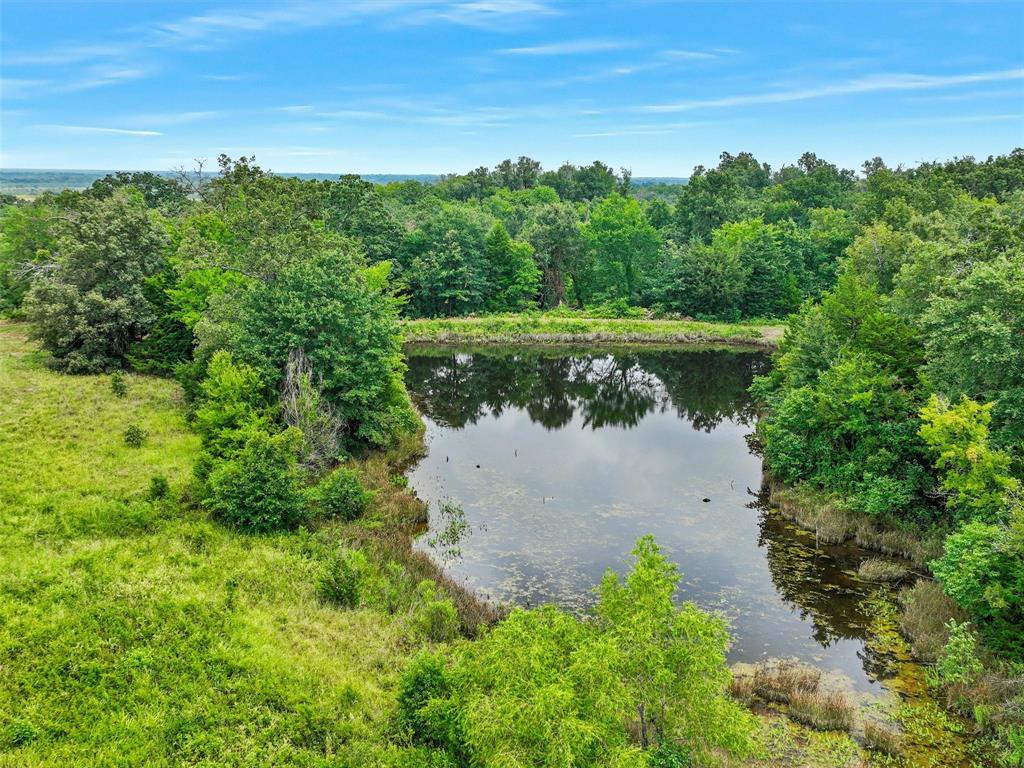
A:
{"x":561,"y":459}
{"x":454,"y":388}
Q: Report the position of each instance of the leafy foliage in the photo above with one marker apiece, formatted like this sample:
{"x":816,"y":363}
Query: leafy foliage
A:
{"x":258,"y":489}
{"x":88,"y":306}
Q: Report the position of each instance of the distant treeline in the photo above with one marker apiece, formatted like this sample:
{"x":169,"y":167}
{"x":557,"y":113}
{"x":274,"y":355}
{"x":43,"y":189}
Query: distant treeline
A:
{"x":36,"y":181}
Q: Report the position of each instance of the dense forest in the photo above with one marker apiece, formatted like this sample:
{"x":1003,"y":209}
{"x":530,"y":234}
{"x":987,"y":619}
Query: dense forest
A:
{"x":897,"y":396}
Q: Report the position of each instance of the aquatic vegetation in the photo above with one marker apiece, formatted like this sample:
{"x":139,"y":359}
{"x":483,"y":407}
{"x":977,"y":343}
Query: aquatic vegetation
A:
{"x":824,"y":710}
{"x":882,"y":737}
{"x":783,"y":680}
{"x":880,"y":570}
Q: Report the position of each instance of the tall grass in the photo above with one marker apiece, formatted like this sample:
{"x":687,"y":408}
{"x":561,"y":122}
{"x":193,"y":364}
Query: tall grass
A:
{"x":134,"y":631}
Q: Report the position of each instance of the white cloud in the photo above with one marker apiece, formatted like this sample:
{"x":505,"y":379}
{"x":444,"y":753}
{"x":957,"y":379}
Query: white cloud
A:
{"x":872,"y":84}
{"x":95,"y":129}
{"x":567,"y":47}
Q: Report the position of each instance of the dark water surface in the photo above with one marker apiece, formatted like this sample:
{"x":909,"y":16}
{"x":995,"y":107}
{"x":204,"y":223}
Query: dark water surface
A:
{"x":561,"y":460}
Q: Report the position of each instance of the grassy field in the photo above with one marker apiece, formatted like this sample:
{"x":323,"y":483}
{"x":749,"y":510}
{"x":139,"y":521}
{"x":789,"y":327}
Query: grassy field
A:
{"x":137,"y":632}
{"x":556,"y":328}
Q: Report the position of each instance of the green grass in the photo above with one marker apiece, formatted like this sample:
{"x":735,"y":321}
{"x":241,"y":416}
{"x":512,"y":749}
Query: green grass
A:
{"x":135,"y":632}
{"x":562,"y":328}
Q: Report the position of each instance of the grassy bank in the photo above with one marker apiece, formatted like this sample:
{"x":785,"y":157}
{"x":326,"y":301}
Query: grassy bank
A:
{"x":560,"y":328}
{"x":135,"y":631}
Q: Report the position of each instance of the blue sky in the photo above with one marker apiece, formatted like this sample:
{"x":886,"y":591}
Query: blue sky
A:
{"x":424,"y":86}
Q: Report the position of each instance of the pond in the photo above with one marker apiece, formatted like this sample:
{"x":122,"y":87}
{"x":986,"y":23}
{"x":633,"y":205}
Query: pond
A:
{"x":561,"y":459}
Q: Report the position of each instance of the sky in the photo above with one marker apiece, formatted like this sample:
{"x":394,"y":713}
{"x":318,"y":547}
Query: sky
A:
{"x":434,"y":86}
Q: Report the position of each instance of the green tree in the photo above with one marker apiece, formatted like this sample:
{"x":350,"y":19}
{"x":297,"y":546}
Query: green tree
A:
{"x":624,"y":247}
{"x":671,"y":660}
{"x":26,"y":239}
{"x":560,"y":250}
{"x":88,"y":306}
{"x":976,"y":477}
{"x":974,"y":340}
{"x":516,"y":278}
{"x":355,"y":207}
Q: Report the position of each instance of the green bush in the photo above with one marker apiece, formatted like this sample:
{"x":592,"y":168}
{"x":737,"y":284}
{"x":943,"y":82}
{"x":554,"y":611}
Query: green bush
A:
{"x":424,"y":681}
{"x":341,"y":495}
{"x":118,"y":385}
{"x":134,"y":436}
{"x":438,"y":619}
{"x":258,"y":490}
{"x":159,"y":488}
{"x":233,"y":405}
{"x":670,"y":756}
{"x":342,"y":580}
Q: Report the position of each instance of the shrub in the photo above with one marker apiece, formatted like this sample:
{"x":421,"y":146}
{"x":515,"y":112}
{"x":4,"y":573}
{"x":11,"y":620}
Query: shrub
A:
{"x":423,"y":681}
{"x":668,"y":755}
{"x":438,"y":619}
{"x":341,"y":495}
{"x":258,"y":490}
{"x":958,"y":663}
{"x":118,"y":384}
{"x":342,"y":580}
{"x":233,"y":405}
{"x":159,"y":488}
{"x":134,"y":436}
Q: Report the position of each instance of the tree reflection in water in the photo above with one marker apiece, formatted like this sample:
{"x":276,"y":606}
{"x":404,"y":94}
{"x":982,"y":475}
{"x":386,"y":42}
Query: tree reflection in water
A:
{"x":617,"y":389}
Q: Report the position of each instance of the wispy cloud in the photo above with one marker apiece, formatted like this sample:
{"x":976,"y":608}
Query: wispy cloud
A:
{"x":481,"y":13}
{"x":353,"y":114}
{"x":872,"y":84}
{"x":222,"y":78}
{"x":95,"y":129}
{"x":173,"y":118}
{"x":98,"y":77}
{"x":567,"y":47}
{"x":17,"y":88}
{"x":133,"y":50}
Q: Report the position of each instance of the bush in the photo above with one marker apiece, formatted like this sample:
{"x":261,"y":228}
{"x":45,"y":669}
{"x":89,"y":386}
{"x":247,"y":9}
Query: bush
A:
{"x":118,"y":385}
{"x":258,"y":490}
{"x":233,"y":405}
{"x":425,"y":680}
{"x":438,"y":619}
{"x":958,"y":663}
{"x":134,"y":436}
{"x":669,"y":756}
{"x":342,"y":580}
{"x":159,"y":488}
{"x":341,"y":495}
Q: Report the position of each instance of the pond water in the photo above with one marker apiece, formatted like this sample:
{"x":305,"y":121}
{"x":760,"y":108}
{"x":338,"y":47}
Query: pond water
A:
{"x":561,"y":459}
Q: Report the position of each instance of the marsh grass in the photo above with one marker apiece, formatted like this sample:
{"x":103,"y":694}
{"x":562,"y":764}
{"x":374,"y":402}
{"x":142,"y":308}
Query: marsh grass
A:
{"x":823,"y":710}
{"x":882,"y":737}
{"x":925,"y":611}
{"x":781,"y":681}
{"x":881,"y":570}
